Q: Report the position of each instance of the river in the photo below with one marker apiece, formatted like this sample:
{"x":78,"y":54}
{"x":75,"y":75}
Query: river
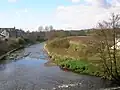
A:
{"x":31,"y":73}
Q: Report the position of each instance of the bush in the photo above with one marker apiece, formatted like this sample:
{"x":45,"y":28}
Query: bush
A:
{"x":74,"y":65}
{"x":20,"y":41}
{"x":40,"y":40}
{"x":3,"y":47}
{"x":15,"y":43}
{"x":12,"y":43}
{"x":59,"y":43}
{"x":29,"y":41}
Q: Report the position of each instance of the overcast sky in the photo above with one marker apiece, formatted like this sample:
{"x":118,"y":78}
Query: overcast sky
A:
{"x":65,"y":14}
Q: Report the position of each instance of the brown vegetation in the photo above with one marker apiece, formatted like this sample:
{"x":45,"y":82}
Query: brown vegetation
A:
{"x":95,"y":49}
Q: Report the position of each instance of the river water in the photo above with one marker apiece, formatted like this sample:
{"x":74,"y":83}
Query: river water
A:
{"x":31,"y":73}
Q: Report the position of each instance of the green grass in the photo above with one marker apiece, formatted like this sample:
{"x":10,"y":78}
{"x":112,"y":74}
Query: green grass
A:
{"x":79,"y":66}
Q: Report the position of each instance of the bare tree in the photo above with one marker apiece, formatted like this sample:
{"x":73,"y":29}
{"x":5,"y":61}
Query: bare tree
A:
{"x":105,"y":43}
{"x":46,"y":32}
{"x":40,"y":28}
{"x":46,"y":28}
{"x":51,"y":27}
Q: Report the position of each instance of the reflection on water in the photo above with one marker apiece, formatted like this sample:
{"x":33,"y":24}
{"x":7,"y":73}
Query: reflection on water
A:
{"x":28,"y":71}
{"x":2,"y":67}
{"x":3,"y":64}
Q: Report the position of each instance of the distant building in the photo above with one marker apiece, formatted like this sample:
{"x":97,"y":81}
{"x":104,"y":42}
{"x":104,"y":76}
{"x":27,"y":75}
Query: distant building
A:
{"x":11,"y":33}
{"x":4,"y":35}
{"x":117,"y":46}
{"x":20,"y":33}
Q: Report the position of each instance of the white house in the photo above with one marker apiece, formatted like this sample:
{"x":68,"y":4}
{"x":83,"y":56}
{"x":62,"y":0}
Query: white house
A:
{"x":117,"y":44}
{"x":4,"y":35}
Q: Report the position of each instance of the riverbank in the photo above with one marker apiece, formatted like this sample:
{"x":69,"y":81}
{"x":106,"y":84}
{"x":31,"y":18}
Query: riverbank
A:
{"x":6,"y":54}
{"x":68,"y":59}
{"x":30,"y":73}
{"x":13,"y":45}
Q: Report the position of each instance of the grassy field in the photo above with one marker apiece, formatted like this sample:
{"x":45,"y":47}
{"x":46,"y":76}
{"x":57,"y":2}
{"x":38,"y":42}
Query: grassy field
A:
{"x":75,"y":56}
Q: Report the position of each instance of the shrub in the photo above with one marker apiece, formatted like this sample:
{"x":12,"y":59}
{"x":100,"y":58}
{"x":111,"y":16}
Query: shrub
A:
{"x":20,"y":41}
{"x":59,"y":43}
{"x":76,"y":66}
{"x":27,"y":40}
{"x":3,"y":47}
{"x":12,"y":43}
{"x":40,"y":40}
